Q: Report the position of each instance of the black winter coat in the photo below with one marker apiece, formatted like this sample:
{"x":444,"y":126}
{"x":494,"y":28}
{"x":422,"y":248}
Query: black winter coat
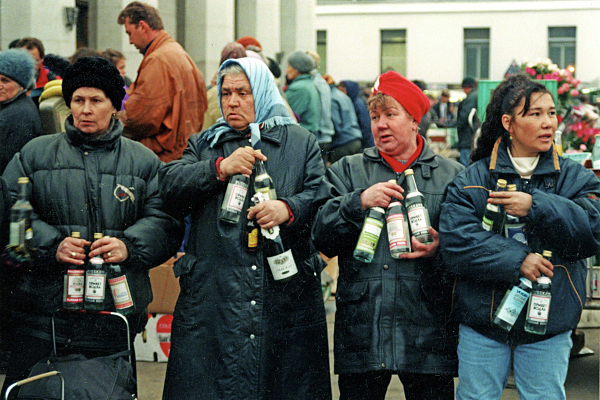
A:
{"x":236,"y":333}
{"x":392,"y":315}
{"x":107,"y":185}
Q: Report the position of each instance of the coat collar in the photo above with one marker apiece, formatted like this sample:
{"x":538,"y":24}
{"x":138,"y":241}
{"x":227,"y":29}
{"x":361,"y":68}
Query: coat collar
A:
{"x":272,"y":135}
{"x":106,"y":141}
{"x":500,"y":160}
{"x":427,"y":157}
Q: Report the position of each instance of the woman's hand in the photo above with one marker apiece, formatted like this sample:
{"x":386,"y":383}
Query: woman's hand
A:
{"x":534,"y":266}
{"x":420,"y":250}
{"x":112,"y":250}
{"x":71,"y":251}
{"x":380,"y":195}
{"x":240,"y":161}
{"x":269,"y":213}
{"x":515,"y":203}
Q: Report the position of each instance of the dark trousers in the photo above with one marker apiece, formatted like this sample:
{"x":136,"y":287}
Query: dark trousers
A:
{"x":373,"y":386}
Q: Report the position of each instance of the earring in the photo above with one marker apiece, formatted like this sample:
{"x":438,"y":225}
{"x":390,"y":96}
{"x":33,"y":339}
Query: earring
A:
{"x":510,"y":137}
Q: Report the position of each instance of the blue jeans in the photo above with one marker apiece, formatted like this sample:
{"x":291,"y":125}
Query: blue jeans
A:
{"x":540,"y":369}
{"x":465,"y":154}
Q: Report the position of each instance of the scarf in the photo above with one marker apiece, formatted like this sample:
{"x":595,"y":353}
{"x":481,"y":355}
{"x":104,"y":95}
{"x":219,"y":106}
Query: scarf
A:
{"x":400,"y":166}
{"x":269,"y":109}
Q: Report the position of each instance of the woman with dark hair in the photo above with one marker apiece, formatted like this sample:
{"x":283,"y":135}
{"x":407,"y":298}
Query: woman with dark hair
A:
{"x":87,"y":179}
{"x":557,"y":200}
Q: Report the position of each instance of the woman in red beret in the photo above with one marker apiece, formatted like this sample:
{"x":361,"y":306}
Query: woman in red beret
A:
{"x":392,"y":314}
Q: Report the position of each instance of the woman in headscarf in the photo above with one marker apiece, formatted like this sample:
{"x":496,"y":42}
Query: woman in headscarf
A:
{"x":237,"y":333}
{"x":88,"y":179}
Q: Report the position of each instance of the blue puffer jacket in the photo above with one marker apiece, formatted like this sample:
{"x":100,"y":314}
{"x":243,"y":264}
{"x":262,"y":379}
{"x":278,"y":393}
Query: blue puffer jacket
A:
{"x":564,"y":218}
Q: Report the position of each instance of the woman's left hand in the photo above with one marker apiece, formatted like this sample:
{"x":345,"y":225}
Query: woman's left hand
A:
{"x":516,"y":204}
{"x":420,"y":250}
{"x":111,"y":249}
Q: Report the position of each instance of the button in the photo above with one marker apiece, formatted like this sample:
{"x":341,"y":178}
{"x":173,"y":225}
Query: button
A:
{"x":252,"y":336}
{"x":69,"y":341}
{"x":382,"y":365}
{"x":254,"y":268}
{"x":386,"y":267}
{"x":253,"y":302}
{"x":86,"y":153}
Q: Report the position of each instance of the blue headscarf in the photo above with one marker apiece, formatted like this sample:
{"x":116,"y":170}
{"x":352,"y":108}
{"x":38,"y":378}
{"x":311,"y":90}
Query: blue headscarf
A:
{"x":269,"y":109}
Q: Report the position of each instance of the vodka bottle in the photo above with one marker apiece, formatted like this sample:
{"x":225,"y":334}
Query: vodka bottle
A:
{"x":21,"y":233}
{"x":74,"y":284}
{"x":95,"y":282}
{"x":514,"y":227}
{"x":418,"y":216}
{"x":539,"y":303}
{"x":119,"y":289}
{"x":397,"y":228}
{"x":369,"y":235}
{"x":493,"y":215}
{"x":511,"y":305}
{"x":235,"y":197}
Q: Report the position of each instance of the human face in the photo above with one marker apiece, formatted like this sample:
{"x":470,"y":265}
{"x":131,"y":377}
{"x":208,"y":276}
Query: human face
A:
{"x":291,"y":73}
{"x":8,"y":88}
{"x":533,"y":132}
{"x":121,"y":66}
{"x":92,"y":110}
{"x":35,"y":53}
{"x":136,"y":35}
{"x":394,"y":130}
{"x":237,"y":101}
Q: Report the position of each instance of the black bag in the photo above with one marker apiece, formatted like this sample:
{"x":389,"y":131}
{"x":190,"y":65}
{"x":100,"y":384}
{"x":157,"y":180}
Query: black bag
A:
{"x":100,"y":378}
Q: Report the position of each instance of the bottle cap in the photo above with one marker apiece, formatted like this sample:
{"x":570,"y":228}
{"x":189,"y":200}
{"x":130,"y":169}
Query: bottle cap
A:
{"x":97,"y":260}
{"x":546,"y":254}
{"x":409,"y":172}
{"x":23,"y":179}
{"x":97,"y":235}
{"x":544,"y":280}
{"x":378,"y":209}
{"x":512,"y":187}
{"x":392,"y":181}
{"x":527,"y":282}
{"x":76,"y":235}
{"x":502,"y":183}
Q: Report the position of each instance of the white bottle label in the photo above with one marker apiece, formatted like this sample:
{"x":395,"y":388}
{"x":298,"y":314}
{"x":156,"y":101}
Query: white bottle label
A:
{"x":395,"y":228}
{"x":120,"y":292}
{"x":236,"y":199}
{"x":95,"y":285}
{"x":75,"y":284}
{"x":514,"y":304}
{"x":540,"y":305}
{"x":417,"y":219}
{"x":15,"y":232}
{"x":282,"y":265}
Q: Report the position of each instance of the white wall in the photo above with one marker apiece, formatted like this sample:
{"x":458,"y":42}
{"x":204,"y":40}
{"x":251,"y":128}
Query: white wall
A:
{"x":434,"y":35}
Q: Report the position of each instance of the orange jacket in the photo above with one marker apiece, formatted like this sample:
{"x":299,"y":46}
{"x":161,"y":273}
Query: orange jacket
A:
{"x":167,"y":101}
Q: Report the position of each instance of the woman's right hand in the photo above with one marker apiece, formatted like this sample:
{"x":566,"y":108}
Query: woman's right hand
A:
{"x":380,"y":195}
{"x":240,"y":161}
{"x":71,"y":251}
{"x":534,"y":266}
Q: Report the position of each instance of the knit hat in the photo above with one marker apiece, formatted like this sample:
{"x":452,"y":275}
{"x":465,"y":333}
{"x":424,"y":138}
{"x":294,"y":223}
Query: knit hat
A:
{"x":468,"y":82}
{"x":301,"y":61}
{"x":17,"y":65}
{"x":249,"y":41}
{"x":404,"y":92}
{"x":96,"y":72}
{"x":232,"y":50}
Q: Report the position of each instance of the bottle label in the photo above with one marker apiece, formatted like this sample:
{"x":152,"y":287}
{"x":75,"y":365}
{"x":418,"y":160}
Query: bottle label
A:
{"x":487,"y":224}
{"x":95,"y":282}
{"x":370,"y":235}
{"x":418,"y":219}
{"x":17,"y":231}
{"x":539,"y":307}
{"x":596,"y":164}
{"x":282,"y":265}
{"x":237,"y":197}
{"x":396,"y":234}
{"x":510,"y":310}
{"x":120,"y":292}
{"x":75,"y":285}
{"x":253,"y":238}
{"x":516,"y":231}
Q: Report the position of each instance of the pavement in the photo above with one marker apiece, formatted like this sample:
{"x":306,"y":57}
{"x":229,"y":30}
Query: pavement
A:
{"x":582,"y":379}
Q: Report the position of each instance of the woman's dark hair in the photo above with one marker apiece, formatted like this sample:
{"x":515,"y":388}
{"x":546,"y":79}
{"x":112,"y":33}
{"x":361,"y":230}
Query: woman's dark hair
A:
{"x":505,"y":99}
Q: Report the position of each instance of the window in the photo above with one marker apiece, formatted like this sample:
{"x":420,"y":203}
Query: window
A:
{"x":477,"y":53}
{"x":322,"y":51}
{"x":393,"y":51}
{"x":561,"y":45}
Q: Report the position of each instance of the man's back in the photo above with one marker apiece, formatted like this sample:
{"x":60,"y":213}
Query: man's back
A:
{"x":303,"y":97}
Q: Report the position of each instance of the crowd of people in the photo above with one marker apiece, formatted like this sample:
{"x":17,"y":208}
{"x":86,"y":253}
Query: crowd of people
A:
{"x":147,"y":160}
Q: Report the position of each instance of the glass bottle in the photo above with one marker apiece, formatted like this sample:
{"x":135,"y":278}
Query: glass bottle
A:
{"x":280,"y":259}
{"x":558,"y":142}
{"x":418,"y":216}
{"x":74,"y":284}
{"x":539,"y":303}
{"x":95,"y":282}
{"x":514,"y":227}
{"x":119,"y":289}
{"x":511,"y":305}
{"x":251,"y":235}
{"x":397,"y":227}
{"x":369,"y":235}
{"x":21,"y":232}
{"x":263,"y":183}
{"x":493,"y":215}
{"x":596,"y":153}
{"x":235,"y":197}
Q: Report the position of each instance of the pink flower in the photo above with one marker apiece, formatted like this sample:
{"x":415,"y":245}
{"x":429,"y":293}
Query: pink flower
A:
{"x":583,"y":147}
{"x":574,"y":92}
{"x":560,"y":90}
{"x":539,"y":77}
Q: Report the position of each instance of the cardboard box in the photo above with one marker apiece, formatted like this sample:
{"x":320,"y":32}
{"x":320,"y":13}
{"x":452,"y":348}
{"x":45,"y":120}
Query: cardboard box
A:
{"x":154,"y":344}
{"x":165,"y":288}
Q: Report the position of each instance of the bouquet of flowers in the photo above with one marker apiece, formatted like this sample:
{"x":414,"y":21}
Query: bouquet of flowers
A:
{"x":580,"y":128}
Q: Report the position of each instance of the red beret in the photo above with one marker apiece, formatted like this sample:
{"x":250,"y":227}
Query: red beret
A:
{"x":249,"y":41}
{"x":404,"y":92}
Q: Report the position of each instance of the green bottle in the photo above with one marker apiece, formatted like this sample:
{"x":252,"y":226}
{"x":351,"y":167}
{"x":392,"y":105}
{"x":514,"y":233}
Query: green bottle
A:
{"x":369,"y":235}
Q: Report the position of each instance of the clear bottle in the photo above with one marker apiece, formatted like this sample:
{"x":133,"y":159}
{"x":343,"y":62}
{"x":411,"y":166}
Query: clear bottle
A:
{"x":74,"y":284}
{"x":119,"y":289}
{"x":418,"y":216}
{"x":263,"y":183}
{"x":511,"y":305}
{"x":558,"y":142}
{"x":21,"y":232}
{"x":493,"y":215}
{"x":539,"y":303}
{"x":95,"y":282}
{"x":596,"y":153}
{"x":397,"y":227}
{"x":235,"y":198}
{"x":514,"y":227}
{"x":369,"y":235}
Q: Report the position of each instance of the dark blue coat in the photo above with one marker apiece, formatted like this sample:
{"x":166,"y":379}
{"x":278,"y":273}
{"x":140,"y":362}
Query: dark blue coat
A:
{"x":364,"y":120}
{"x":564,"y":218}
